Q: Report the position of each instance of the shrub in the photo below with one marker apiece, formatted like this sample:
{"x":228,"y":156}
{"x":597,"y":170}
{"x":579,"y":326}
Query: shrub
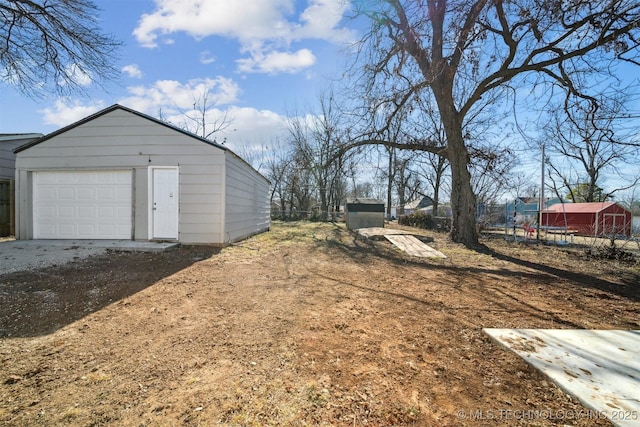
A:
{"x":423,"y":220}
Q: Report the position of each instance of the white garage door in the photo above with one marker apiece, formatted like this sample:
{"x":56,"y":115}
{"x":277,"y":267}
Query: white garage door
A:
{"x":82,"y":205}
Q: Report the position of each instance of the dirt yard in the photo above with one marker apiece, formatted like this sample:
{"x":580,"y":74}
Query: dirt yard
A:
{"x":305,"y":325}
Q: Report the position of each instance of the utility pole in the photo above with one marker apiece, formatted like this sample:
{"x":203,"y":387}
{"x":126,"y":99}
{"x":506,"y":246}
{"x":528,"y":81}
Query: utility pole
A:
{"x":541,"y":203}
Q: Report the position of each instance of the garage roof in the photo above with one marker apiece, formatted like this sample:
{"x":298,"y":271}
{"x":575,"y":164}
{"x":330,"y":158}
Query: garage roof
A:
{"x":108,"y":110}
{"x":579,"y":207}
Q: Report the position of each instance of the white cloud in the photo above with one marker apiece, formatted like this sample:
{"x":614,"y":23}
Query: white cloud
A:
{"x":252,"y":126}
{"x":132,"y":70}
{"x":245,"y":126}
{"x":77,"y":75}
{"x":206,"y":57}
{"x":276,"y":62}
{"x":264,"y":28}
{"x":258,"y":19}
{"x":321,"y":20}
{"x":172,"y":96}
{"x":67,"y":111}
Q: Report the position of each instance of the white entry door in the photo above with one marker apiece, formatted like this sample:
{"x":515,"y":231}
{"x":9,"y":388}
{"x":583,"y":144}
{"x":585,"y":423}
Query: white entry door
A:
{"x":164,"y":203}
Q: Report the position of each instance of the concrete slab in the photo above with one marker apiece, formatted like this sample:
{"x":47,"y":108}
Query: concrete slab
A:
{"x":600,"y":368}
{"x":118,"y":245}
{"x":21,"y":255}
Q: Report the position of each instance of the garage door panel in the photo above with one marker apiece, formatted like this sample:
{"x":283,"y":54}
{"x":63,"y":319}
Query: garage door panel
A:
{"x":47,"y":229}
{"x":47,"y":212}
{"x":63,"y":212}
{"x":63,"y":228}
{"x":106,"y":194}
{"x":63,"y":193}
{"x":106,"y":212}
{"x":85,"y":205}
{"x":86,"y":230}
{"x":47,"y":194}
{"x":87,"y":212}
{"x":86,"y":194}
{"x":106,"y":229}
{"x":64,"y":179}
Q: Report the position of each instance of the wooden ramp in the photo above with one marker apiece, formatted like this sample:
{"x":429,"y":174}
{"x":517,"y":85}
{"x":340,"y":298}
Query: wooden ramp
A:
{"x":403,"y":240}
{"x":413,"y":246}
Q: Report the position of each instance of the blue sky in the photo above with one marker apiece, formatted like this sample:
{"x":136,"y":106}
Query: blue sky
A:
{"x":258,"y":60}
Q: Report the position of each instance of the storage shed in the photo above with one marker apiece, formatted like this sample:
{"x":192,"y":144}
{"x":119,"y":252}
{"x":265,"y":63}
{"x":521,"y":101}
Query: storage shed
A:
{"x":364,"y":213}
{"x":589,"y":219}
{"x":120,"y":174}
{"x":8,"y":143}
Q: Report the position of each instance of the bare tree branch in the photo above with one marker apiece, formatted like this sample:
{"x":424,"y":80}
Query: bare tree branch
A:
{"x":54,"y":45}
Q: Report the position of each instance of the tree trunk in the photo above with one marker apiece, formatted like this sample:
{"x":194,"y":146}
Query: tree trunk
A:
{"x":324,"y":206}
{"x":389,"y":182}
{"x":463,"y":200}
{"x":463,"y":204}
{"x":436,"y":199}
{"x":440,"y":163}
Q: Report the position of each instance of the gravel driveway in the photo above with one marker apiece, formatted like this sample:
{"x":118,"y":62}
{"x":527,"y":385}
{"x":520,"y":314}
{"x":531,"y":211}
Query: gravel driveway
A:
{"x":21,"y":255}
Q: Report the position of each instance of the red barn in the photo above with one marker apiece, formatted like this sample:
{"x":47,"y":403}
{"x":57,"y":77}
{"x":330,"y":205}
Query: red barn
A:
{"x":589,"y":219}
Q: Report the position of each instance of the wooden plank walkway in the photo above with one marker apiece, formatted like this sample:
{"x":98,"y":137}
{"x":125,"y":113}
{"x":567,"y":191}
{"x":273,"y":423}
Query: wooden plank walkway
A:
{"x":379,"y":231}
{"x":404,"y":240}
{"x":413,"y":246}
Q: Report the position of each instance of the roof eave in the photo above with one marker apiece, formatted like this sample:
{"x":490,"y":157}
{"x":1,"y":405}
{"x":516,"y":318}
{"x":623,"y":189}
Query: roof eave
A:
{"x":109,"y":110}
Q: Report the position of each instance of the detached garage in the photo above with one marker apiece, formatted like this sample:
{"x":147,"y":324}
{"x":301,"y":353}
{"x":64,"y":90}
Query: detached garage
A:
{"x":120,"y":174}
{"x":589,"y":219}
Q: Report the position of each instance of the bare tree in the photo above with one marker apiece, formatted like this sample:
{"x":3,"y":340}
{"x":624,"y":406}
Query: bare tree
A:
{"x":314,"y":138}
{"x":462,"y":53}
{"x":427,"y":122}
{"x":53,"y":45}
{"x":278,"y":169}
{"x":583,"y":144}
{"x":406,"y":180}
{"x":201,"y":121}
{"x":491,"y":173}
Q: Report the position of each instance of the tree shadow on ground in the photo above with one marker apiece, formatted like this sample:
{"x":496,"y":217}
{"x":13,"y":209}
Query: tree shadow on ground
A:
{"x":34,"y":303}
{"x":627,"y":286}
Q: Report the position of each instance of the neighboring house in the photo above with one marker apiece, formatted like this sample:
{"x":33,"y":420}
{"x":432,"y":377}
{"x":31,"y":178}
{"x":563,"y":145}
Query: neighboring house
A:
{"x":418,"y":204}
{"x":528,"y":206}
{"x":589,"y":219}
{"x":120,"y":174}
{"x":8,"y":143}
{"x":444,"y":210}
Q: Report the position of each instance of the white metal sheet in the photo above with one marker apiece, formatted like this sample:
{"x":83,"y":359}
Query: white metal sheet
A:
{"x":601,"y":368}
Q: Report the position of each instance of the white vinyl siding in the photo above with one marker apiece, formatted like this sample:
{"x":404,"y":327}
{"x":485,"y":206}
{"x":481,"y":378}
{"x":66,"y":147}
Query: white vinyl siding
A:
{"x":247,"y":200}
